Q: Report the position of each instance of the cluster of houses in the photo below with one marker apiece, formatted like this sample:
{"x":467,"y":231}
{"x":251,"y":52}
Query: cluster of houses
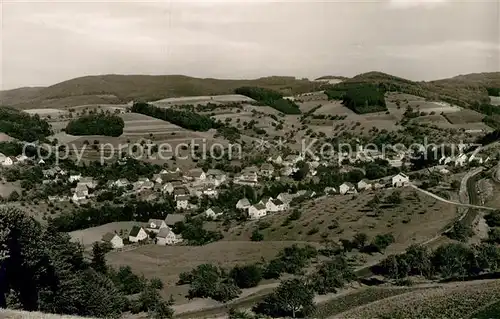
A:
{"x":8,"y":161}
{"x":462,"y":160}
{"x":163,"y":234}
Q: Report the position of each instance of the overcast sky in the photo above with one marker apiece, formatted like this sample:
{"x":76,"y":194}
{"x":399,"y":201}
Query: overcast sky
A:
{"x":47,"y":42}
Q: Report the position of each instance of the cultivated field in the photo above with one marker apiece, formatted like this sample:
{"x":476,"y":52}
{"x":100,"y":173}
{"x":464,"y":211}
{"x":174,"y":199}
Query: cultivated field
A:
{"x":44,"y":113}
{"x":455,"y":300}
{"x":202,"y":100}
{"x":417,"y":219}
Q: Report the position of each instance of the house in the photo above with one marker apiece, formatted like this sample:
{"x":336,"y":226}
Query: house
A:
{"x":305,"y":193}
{"x":182,"y":201}
{"x":286,"y":171}
{"x":364,"y":184}
{"x":347,"y":188}
{"x":171,"y":186}
{"x":286,"y":197}
{"x":172,"y":219}
{"x":292,"y":159}
{"x":216,"y":177}
{"x":267,"y":170}
{"x":265,"y":200}
{"x":180,"y":191}
{"x":257,"y":211}
{"x":213,"y":212}
{"x":155,"y":225}
{"x":196,"y":174}
{"x":40,"y":162}
{"x":378,"y":185}
{"x":167,"y":237}
{"x":461,"y":160}
{"x":276,"y":205}
{"x":2,"y":157}
{"x":74,"y":178}
{"x":21,"y":158}
{"x":137,"y":234}
{"x":243,"y":203}
{"x":122,"y":182}
{"x":113,"y":239}
{"x":330,"y":190}
{"x":9,"y":161}
{"x":87,"y":181}
{"x":81,"y":193}
{"x":400,"y":180}
{"x":248,"y":176}
{"x":49,"y":173}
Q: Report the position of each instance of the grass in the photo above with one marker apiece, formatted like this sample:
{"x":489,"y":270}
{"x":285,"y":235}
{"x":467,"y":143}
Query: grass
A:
{"x":489,"y":312}
{"x":17,"y":314}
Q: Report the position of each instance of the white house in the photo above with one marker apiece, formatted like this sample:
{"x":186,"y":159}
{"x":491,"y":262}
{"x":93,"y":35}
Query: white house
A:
{"x":216,"y":177}
{"x":461,"y":160}
{"x":87,"y":181}
{"x":400,"y":180}
{"x":276,"y":205}
{"x":171,"y":186}
{"x":74,"y":178}
{"x":21,"y":158}
{"x":213,"y":212}
{"x":9,"y":161}
{"x":278,"y":160}
{"x":113,"y":239}
{"x":243,"y":203}
{"x":286,"y":171}
{"x":257,"y":211}
{"x":182,"y":201}
{"x":167,"y":237}
{"x":81,"y":193}
{"x":155,"y":225}
{"x":137,"y":234}
{"x":347,"y":188}
{"x":364,"y":184}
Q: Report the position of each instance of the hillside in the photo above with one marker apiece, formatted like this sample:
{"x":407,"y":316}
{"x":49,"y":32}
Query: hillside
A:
{"x":463,"y":90}
{"x":124,"y":88}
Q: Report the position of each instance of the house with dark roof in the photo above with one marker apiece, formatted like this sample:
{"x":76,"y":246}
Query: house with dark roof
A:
{"x":137,"y":234}
{"x":213,"y":212}
{"x":113,"y":239}
{"x":155,"y":225}
{"x":172,"y":219}
{"x":257,"y":211}
{"x":167,"y":237}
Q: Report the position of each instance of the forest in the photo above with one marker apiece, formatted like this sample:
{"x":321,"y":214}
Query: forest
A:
{"x":23,"y":126}
{"x":185,"y":119}
{"x":96,"y":124}
{"x":270,"y":98}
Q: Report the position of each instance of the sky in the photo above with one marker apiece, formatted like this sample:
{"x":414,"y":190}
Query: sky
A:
{"x":46,"y":42}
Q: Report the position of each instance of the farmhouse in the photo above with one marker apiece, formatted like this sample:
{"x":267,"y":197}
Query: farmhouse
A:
{"x":305,"y":193}
{"x":182,"y":201}
{"x":278,"y":160}
{"x":167,"y":237}
{"x":257,"y":211}
{"x":347,"y":188}
{"x":137,"y":234}
{"x":400,"y":180}
{"x":155,"y":225}
{"x":172,"y":219}
{"x":461,"y":160}
{"x":364,"y":184}
{"x":286,"y":171}
{"x":113,"y":239}
{"x":243,"y":203}
{"x":286,"y":197}
{"x":213,"y":212}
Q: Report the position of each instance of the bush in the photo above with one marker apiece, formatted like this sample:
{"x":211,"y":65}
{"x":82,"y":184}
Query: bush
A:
{"x":246,"y":276}
{"x":256,"y":236}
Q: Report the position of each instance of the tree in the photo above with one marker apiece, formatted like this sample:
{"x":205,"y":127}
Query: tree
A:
{"x":292,"y":297}
{"x":419,"y":260}
{"x":246,"y":276}
{"x":360,"y":240}
{"x":455,"y":184}
{"x":331,"y":275}
{"x":256,"y":236}
{"x":98,"y":258}
{"x":14,"y":196}
{"x":453,"y":260}
{"x":156,"y":283}
{"x":460,"y":231}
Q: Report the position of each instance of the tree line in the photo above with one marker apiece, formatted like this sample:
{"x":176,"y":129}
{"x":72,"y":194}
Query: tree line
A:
{"x":96,"y":124}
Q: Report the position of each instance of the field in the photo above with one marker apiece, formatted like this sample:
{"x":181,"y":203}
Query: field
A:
{"x":495,"y":100}
{"x":195,"y":100}
{"x":456,"y":300}
{"x":90,"y":235}
{"x":47,"y":113}
{"x":167,"y":262}
{"x":417,"y":219}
